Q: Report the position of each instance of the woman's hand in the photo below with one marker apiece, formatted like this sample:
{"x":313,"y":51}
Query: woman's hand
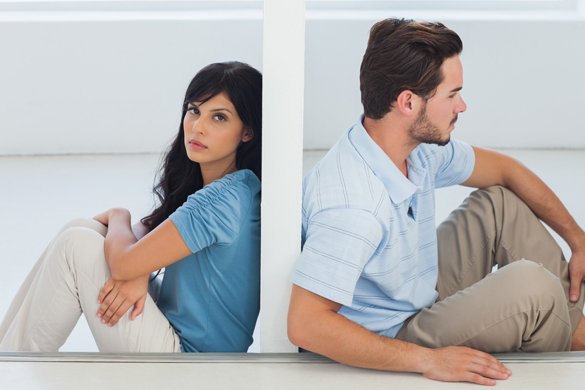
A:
{"x":118,"y":296}
{"x":104,"y":218}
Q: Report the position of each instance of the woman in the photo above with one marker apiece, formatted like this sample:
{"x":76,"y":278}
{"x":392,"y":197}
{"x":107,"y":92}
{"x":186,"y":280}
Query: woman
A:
{"x":205,"y":233}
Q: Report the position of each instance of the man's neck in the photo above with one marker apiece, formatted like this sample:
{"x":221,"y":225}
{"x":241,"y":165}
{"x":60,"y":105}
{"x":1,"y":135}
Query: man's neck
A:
{"x":391,"y":135}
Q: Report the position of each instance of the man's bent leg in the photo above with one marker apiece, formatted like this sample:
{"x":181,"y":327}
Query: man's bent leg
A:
{"x":520,"y":307}
{"x":493,"y":226}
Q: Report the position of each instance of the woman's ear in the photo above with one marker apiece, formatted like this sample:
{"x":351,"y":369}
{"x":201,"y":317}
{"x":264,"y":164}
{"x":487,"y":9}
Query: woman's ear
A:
{"x":247,"y":134}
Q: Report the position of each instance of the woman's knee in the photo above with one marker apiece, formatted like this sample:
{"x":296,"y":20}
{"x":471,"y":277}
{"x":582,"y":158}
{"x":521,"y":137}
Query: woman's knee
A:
{"x":87,"y":223}
{"x":82,"y":247}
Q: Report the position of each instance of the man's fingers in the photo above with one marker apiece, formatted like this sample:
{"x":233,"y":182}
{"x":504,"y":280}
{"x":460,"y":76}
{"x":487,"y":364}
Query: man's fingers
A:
{"x":575,"y":287}
{"x":488,"y":372}
{"x":491,"y":362}
{"x":480,"y":380}
{"x":488,"y":360}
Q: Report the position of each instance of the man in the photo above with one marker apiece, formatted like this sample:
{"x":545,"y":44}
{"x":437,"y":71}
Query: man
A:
{"x":376,"y":285}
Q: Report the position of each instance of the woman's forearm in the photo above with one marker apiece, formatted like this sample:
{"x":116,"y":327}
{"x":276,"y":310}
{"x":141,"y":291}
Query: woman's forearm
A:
{"x":119,"y":239}
{"x":140,"y":230}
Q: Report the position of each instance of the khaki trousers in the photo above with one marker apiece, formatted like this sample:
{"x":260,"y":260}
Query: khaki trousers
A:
{"x":63,"y":284}
{"x":523,"y":306}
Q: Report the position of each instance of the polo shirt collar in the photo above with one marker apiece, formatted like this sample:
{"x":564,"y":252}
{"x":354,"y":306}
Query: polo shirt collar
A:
{"x":398,"y":186}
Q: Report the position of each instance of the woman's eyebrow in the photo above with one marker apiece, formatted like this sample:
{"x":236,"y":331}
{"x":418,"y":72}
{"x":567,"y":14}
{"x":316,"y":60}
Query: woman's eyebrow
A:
{"x":221,"y":109}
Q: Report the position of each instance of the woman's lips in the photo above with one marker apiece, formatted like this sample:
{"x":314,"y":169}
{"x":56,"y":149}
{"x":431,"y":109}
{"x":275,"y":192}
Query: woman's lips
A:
{"x":197,"y":145}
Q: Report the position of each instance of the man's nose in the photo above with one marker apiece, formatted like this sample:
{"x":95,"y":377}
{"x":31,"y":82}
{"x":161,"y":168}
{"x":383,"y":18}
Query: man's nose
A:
{"x":462,"y":106}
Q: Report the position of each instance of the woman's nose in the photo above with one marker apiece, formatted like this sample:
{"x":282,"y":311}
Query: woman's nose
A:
{"x":198,"y":127}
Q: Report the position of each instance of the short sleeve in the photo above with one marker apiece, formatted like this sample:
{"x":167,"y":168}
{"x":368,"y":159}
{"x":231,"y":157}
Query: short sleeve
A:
{"x":338,"y":244}
{"x":455,"y":163}
{"x":214,"y":214}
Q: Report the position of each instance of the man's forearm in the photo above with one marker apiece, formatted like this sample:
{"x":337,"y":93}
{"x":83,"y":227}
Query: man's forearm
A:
{"x":314,"y":324}
{"x":342,"y":340}
{"x":544,"y":203}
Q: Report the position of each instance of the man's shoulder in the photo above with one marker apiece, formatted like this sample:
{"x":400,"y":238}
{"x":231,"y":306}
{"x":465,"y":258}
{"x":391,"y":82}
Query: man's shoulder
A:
{"x":342,"y":179}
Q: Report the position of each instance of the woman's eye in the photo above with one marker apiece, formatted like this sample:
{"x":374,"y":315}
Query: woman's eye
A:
{"x":193,"y":111}
{"x":220,"y":117}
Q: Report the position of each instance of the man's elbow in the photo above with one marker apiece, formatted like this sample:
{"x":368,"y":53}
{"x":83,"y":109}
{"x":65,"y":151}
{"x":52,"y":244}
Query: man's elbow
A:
{"x":296,"y":330}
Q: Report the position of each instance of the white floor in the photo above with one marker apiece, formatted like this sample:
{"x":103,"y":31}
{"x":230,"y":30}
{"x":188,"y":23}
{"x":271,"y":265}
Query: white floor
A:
{"x":39,"y":194}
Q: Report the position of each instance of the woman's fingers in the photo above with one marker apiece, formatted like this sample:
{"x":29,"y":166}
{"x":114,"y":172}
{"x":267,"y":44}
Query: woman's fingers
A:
{"x":108,"y":299}
{"x":113,"y":308}
{"x":117,"y":297}
{"x":106,"y":290}
{"x":119,"y":313}
{"x":138,"y":308}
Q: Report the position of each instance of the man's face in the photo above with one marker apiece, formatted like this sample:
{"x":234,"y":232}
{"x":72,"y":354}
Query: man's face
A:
{"x":437,"y":116}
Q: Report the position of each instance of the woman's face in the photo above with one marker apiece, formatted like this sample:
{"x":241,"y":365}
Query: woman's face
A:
{"x":213,"y":132}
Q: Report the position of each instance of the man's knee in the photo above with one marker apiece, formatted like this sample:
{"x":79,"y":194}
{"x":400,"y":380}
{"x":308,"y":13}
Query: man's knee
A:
{"x":497,"y":195}
{"x":532,"y":282}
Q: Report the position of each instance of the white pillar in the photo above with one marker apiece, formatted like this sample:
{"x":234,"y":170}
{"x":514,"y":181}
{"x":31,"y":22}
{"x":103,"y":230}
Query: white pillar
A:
{"x":282,"y":160}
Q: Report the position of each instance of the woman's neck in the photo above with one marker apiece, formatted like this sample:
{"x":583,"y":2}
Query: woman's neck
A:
{"x":216,"y":172}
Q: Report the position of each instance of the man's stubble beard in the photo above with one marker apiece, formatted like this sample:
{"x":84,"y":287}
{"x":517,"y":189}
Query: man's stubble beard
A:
{"x":423,"y":131}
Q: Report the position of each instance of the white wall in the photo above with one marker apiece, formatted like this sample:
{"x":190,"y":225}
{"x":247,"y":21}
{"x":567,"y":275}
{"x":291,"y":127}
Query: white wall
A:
{"x":96,"y":85}
{"x":524,"y":78}
{"x":91,"y":82}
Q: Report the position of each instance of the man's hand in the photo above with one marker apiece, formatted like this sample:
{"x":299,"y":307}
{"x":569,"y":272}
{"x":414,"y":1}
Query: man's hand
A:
{"x":118,"y":296}
{"x":576,"y":273}
{"x":461,"y":364}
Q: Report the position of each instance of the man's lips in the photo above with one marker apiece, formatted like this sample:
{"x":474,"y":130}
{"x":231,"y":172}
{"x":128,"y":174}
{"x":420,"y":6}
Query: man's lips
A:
{"x":197,"y":145}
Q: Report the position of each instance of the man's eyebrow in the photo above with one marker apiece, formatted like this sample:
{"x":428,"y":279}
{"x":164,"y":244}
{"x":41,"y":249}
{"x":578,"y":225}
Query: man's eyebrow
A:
{"x":456,"y":89}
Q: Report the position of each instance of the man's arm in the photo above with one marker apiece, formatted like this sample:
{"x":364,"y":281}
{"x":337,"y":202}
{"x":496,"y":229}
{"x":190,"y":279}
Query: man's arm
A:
{"x":493,"y":168}
{"x":315,"y":325}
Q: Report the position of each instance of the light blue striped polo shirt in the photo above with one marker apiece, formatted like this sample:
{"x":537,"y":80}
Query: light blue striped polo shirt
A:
{"x":361,"y":248}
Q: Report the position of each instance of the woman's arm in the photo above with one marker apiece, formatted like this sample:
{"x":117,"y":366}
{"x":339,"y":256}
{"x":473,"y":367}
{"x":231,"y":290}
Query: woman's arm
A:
{"x":130,"y":258}
{"x":117,"y":297}
{"x":123,"y":252}
{"x":140,"y":230}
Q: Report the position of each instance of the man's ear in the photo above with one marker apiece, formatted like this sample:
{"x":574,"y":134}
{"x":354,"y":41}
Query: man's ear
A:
{"x":247,"y":134}
{"x":406,"y":102}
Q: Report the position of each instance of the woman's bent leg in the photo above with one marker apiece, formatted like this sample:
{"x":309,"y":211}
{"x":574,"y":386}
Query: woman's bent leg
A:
{"x":67,"y":283}
{"x":17,"y":303}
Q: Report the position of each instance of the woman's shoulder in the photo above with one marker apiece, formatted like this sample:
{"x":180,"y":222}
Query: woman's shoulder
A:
{"x":236,"y":189}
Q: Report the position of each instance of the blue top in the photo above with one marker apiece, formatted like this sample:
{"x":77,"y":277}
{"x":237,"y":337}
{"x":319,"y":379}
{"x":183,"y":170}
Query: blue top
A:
{"x":212,"y":297}
{"x":361,"y":247}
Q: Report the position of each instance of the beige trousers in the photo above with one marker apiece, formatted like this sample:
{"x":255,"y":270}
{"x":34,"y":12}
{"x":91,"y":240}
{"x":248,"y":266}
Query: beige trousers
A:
{"x":523,"y":306}
{"x":63,"y":284}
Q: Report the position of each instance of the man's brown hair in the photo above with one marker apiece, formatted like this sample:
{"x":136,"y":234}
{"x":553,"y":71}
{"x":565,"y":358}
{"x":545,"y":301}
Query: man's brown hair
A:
{"x":404,"y":55}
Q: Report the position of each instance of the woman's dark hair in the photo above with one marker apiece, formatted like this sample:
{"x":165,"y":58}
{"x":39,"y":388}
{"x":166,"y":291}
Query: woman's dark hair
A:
{"x":404,"y":55}
{"x":181,"y":177}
